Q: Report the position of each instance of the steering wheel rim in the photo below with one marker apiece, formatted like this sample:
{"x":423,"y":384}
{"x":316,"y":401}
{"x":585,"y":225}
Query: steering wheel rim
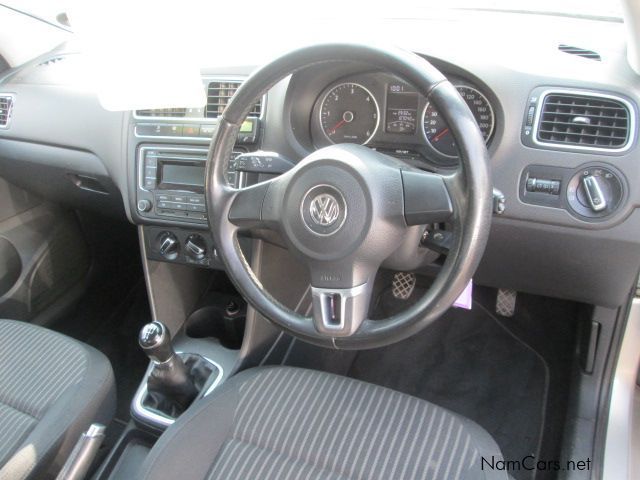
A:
{"x":469,"y":188}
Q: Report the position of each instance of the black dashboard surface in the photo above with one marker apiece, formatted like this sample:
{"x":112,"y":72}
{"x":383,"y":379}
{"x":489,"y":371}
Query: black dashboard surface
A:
{"x":535,"y":246}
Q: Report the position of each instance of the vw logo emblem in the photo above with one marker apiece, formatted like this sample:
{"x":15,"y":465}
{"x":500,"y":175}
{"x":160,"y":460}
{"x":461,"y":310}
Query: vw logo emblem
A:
{"x":324,"y":209}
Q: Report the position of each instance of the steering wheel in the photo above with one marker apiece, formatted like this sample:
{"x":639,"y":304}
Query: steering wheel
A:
{"x":346,"y":208}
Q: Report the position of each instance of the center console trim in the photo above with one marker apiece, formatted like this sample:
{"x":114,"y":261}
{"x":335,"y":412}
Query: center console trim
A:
{"x":157,"y":419}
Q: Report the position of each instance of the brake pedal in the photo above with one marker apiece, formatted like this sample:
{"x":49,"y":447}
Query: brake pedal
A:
{"x":506,"y":302}
{"x":403,"y":285}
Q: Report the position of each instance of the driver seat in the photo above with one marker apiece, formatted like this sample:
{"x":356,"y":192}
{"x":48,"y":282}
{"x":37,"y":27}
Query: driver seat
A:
{"x":288,"y":423}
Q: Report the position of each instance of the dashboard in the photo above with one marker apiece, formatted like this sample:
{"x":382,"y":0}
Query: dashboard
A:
{"x":561,"y":131}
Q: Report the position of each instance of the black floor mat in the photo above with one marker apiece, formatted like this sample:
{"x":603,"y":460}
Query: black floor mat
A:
{"x":509,"y":375}
{"x":468,"y":363}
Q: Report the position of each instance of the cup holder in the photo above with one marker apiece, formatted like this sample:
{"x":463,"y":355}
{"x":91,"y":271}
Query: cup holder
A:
{"x":219,"y":316}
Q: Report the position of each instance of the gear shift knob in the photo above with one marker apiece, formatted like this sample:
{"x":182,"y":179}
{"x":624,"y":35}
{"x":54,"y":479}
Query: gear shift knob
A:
{"x":169,"y":378}
{"x":155,"y":340}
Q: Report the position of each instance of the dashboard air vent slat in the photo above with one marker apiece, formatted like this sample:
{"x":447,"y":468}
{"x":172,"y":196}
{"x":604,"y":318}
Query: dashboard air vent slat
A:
{"x":163,"y":112}
{"x":51,"y":61}
{"x":584,"y":120}
{"x":6,"y":104}
{"x":581,"y":52}
{"x":218,"y":95}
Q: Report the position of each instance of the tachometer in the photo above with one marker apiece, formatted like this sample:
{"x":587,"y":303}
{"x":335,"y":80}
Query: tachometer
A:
{"x":437,"y":131}
{"x":349,"y":113}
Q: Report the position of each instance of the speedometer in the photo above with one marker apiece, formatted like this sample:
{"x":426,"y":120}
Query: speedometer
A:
{"x":349,"y":114}
{"x":437,"y":131}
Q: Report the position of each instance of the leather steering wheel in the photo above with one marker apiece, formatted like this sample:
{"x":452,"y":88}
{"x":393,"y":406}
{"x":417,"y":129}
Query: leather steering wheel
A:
{"x":345,"y":208}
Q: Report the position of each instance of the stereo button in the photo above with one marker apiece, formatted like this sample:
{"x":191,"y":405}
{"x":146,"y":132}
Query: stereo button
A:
{"x":144,"y":205}
{"x":207,"y":130}
{"x":191,"y":130}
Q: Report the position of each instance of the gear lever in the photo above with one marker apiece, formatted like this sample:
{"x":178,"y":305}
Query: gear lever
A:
{"x":169,"y":377}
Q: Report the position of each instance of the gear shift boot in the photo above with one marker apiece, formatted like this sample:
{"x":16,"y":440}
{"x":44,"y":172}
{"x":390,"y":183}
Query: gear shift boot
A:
{"x":174,"y":379}
{"x":169,"y":398}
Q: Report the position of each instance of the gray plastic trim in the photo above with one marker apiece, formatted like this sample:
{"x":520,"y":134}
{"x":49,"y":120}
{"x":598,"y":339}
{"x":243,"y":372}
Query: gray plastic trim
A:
{"x":621,"y":447}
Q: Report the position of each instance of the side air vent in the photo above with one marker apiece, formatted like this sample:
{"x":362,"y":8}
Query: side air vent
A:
{"x":51,"y":61}
{"x":584,"y":121}
{"x":6,"y":105}
{"x":163,"y":112}
{"x":581,"y":52}
{"x":218,"y":96}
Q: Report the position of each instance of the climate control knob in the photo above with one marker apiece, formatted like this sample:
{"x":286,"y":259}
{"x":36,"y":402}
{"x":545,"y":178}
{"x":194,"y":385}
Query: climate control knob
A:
{"x":168,"y":245}
{"x":195,"y":247}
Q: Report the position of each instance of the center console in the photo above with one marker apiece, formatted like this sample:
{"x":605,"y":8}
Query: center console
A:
{"x":196,"y":339}
{"x":167,"y":156}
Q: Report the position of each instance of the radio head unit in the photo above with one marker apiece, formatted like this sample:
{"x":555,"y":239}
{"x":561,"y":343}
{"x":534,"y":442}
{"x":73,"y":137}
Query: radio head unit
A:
{"x":170,"y":183}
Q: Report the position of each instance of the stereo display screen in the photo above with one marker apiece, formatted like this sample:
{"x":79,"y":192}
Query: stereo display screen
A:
{"x":181,"y":174}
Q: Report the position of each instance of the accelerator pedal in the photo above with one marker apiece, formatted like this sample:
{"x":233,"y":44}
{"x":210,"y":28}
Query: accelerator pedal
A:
{"x":506,"y":302}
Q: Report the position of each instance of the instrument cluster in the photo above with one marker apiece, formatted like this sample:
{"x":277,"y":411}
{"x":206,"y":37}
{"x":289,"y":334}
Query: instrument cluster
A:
{"x":382,"y":112}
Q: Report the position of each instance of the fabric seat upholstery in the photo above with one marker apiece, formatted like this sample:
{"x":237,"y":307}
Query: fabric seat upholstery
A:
{"x":51,"y":389}
{"x":287,"y":423}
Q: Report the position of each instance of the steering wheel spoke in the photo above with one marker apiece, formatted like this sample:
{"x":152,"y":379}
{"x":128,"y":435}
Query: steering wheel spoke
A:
{"x":246,"y":209}
{"x":426,"y":198}
{"x":341,"y":294}
{"x":339,"y":312}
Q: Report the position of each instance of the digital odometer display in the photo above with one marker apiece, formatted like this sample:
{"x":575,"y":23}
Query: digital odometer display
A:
{"x":402,"y":109}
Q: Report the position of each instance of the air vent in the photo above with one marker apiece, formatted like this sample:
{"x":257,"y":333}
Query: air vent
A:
{"x":218,"y":96}
{"x":163,"y":112}
{"x":51,"y":61}
{"x":581,"y":52}
{"x":587,"y":121}
{"x":6,"y":104}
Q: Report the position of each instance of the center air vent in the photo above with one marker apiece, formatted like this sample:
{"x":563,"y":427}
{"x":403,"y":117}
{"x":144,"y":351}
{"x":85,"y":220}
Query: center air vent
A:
{"x":218,"y":96}
{"x":6,"y":104}
{"x":584,"y":121}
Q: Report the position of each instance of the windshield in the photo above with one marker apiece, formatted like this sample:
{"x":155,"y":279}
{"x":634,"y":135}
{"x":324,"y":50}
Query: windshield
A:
{"x":51,"y":10}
